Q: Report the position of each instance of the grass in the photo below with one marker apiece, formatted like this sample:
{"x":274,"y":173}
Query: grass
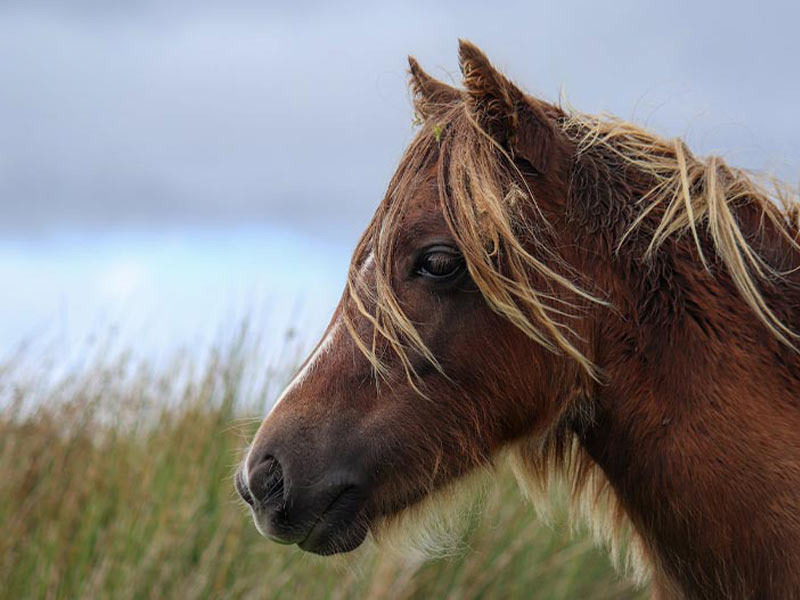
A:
{"x":116,"y":482}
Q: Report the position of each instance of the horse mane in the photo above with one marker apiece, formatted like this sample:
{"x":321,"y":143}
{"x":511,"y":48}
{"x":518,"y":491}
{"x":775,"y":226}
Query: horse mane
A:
{"x":687,"y":193}
{"x":486,"y":203}
{"x":508,"y":249}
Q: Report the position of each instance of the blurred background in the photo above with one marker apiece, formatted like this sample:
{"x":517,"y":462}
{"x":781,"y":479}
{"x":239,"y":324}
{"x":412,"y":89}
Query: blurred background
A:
{"x":168,"y":166}
{"x":171,"y":170}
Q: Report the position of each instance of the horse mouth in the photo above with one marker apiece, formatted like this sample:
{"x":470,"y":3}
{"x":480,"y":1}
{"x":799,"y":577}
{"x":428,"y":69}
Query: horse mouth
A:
{"x":342,"y":526}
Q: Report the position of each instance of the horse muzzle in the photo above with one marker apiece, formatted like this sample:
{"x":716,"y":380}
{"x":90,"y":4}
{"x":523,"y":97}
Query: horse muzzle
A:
{"x":323,"y":514}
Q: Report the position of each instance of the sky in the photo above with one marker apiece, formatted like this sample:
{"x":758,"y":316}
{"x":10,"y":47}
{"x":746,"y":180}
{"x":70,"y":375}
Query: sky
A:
{"x":167,"y":166}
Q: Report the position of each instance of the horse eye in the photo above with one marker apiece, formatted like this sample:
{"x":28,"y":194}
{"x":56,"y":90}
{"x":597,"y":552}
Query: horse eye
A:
{"x":440,"y":262}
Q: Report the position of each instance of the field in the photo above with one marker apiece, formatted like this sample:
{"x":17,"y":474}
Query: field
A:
{"x":116,"y":482}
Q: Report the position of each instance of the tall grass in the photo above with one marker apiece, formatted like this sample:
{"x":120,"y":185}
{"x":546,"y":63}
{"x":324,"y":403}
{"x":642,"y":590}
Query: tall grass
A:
{"x":116,"y":482}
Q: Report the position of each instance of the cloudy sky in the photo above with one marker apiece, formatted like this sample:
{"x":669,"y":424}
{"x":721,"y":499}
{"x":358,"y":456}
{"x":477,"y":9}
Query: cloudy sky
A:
{"x":171,"y":162}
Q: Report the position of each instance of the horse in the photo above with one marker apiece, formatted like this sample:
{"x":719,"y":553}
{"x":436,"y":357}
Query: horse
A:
{"x":575,"y":296}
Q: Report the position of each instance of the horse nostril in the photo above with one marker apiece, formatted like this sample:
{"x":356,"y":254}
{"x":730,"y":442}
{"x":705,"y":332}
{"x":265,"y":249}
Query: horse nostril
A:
{"x":241,"y":486}
{"x":265,"y":481}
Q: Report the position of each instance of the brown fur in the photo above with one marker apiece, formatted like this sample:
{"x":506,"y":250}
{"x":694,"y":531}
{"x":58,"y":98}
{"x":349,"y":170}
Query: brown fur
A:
{"x":628,"y":324}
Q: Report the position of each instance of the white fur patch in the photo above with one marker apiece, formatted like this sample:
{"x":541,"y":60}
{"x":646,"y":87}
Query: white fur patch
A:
{"x":436,"y":526}
{"x":322,"y":348}
{"x":590,"y":501}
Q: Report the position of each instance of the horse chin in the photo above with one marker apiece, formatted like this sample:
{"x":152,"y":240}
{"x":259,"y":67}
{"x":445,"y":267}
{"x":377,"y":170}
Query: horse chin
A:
{"x":334,"y":535}
{"x":343,"y":541}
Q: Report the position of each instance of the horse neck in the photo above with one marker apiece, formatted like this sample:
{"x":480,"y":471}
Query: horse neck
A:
{"x":696,"y":425}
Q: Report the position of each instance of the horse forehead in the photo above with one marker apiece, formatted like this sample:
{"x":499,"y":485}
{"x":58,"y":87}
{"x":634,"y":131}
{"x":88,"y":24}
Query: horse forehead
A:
{"x":423,"y":224}
{"x":422,"y":214}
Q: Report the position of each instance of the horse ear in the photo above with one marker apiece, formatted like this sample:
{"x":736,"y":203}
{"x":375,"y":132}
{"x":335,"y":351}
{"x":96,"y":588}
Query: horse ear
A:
{"x":515,"y":121}
{"x":430,"y":95}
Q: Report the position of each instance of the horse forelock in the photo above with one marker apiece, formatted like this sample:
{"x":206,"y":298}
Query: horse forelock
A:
{"x":486,"y":202}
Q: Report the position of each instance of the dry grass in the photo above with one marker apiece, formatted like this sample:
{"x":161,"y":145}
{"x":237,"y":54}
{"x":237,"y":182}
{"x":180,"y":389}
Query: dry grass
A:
{"x":115,"y":481}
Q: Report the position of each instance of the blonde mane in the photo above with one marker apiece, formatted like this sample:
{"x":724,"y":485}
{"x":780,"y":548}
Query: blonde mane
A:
{"x":488,"y":205}
{"x":690,"y":193}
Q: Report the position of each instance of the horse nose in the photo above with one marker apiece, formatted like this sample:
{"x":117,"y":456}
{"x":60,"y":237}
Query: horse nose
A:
{"x":319,"y":513}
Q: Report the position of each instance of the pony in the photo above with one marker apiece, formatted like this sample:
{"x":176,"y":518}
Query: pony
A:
{"x":581,"y":298}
